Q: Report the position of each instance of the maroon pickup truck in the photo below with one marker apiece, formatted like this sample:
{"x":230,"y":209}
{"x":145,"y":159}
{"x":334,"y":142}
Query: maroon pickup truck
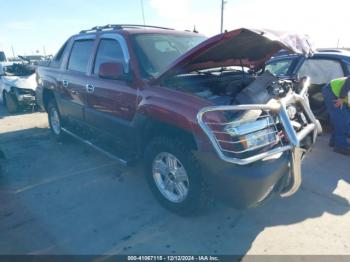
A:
{"x":202,"y":114}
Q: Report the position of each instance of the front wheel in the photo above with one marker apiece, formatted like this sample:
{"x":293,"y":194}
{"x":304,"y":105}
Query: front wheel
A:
{"x":55,"y":120}
{"x":174,"y":176}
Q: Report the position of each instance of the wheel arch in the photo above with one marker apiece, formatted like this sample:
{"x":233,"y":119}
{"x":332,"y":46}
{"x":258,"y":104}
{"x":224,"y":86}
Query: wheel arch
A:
{"x":47,"y":96}
{"x":150,"y":128}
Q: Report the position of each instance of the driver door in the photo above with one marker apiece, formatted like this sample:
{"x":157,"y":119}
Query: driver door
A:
{"x":111,"y":104}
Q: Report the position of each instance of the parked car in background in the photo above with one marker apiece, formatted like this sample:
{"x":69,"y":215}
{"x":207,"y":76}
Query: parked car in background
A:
{"x":322,"y":67}
{"x":35,"y":60}
{"x":17,"y":86}
{"x":193,"y":109}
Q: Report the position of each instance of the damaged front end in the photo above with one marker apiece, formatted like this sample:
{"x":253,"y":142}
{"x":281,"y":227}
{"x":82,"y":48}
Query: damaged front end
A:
{"x":24,"y":96}
{"x":259,"y":126}
{"x":19,"y":83}
{"x":247,"y":133}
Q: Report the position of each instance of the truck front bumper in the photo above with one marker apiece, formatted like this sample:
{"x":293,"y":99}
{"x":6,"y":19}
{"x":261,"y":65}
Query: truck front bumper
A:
{"x":244,"y":186}
{"x":248,"y":181}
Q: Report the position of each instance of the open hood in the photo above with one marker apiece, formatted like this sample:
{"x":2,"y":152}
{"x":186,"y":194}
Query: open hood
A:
{"x":242,"y":47}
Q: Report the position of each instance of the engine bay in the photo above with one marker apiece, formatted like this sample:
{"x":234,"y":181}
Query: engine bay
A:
{"x":232,"y":87}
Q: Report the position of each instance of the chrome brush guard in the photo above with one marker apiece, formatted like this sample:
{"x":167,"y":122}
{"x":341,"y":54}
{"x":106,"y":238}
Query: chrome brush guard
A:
{"x":277,"y":108}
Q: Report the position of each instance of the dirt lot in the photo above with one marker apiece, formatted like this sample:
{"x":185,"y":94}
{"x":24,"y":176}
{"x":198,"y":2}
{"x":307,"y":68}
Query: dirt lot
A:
{"x":68,"y":199}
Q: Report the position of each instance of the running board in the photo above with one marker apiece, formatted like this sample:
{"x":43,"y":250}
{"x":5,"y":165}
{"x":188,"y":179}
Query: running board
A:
{"x":86,"y":142}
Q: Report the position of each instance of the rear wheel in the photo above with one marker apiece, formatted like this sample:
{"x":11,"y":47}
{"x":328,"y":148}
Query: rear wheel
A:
{"x":174,"y":176}
{"x":55,"y":120}
{"x":10,"y":103}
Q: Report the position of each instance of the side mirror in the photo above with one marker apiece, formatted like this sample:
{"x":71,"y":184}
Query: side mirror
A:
{"x":112,"y":71}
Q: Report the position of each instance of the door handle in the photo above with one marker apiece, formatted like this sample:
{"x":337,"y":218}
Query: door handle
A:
{"x":65,"y":83}
{"x":90,"y":88}
{"x":124,"y":109}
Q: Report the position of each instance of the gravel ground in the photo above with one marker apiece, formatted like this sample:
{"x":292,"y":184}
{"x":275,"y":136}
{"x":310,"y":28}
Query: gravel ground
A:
{"x":68,"y":199}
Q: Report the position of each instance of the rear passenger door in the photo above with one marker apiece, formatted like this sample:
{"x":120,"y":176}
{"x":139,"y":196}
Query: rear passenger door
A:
{"x":112,"y":103}
{"x":73,"y":78}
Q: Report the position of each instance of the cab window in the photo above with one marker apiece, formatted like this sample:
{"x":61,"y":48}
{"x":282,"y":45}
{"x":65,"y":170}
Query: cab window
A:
{"x":109,"y":51}
{"x":80,"y":55}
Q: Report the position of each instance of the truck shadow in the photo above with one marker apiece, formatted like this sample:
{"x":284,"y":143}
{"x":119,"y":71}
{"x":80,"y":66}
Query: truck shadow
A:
{"x":300,"y":218}
{"x":118,"y":205}
{"x":304,"y":206}
{"x":225,"y":230}
{"x":326,"y":182}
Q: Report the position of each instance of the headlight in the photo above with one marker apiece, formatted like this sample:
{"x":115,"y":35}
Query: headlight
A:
{"x":254,"y":135}
{"x":259,"y":139}
{"x":248,"y":127}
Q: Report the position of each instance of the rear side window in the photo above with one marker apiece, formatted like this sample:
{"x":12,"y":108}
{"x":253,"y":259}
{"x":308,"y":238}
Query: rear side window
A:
{"x":321,"y":71}
{"x":59,"y":55}
{"x":57,"y":59}
{"x":109,"y":50}
{"x":80,"y":54}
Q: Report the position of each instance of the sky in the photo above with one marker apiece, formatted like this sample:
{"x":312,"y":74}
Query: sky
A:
{"x":31,"y":26}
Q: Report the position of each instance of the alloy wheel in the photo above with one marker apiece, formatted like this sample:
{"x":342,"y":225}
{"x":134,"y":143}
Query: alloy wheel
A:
{"x":170,"y":177}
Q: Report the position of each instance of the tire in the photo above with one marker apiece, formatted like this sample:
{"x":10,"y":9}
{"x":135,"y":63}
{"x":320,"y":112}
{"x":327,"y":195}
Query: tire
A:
{"x":11,"y":103}
{"x":55,"y":120}
{"x":180,"y":202}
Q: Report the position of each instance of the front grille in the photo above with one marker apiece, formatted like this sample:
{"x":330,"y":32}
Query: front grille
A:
{"x":283,"y":136}
{"x":236,"y":144}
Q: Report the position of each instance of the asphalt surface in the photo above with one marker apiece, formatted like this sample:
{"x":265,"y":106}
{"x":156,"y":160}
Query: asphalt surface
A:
{"x":65,"y":198}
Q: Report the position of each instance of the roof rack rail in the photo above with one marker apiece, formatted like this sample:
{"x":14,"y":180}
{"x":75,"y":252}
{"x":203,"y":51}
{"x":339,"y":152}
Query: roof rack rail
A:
{"x":120,"y":26}
{"x":330,"y":50}
{"x":100,"y":28}
{"x":144,"y":26}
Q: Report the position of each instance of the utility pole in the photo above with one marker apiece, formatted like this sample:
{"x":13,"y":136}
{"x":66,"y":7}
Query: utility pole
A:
{"x":13,"y":51}
{"x":338,"y":43}
{"x":44,"y":49}
{"x":223,"y":2}
{"x":143,"y":13}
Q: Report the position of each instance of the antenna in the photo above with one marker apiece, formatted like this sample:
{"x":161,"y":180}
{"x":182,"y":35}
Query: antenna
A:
{"x":223,"y":2}
{"x":13,"y":51}
{"x":143,"y":13}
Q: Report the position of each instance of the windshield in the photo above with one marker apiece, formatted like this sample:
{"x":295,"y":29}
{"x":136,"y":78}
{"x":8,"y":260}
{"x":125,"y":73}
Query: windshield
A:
{"x":279,"y":67}
{"x":157,"y":51}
